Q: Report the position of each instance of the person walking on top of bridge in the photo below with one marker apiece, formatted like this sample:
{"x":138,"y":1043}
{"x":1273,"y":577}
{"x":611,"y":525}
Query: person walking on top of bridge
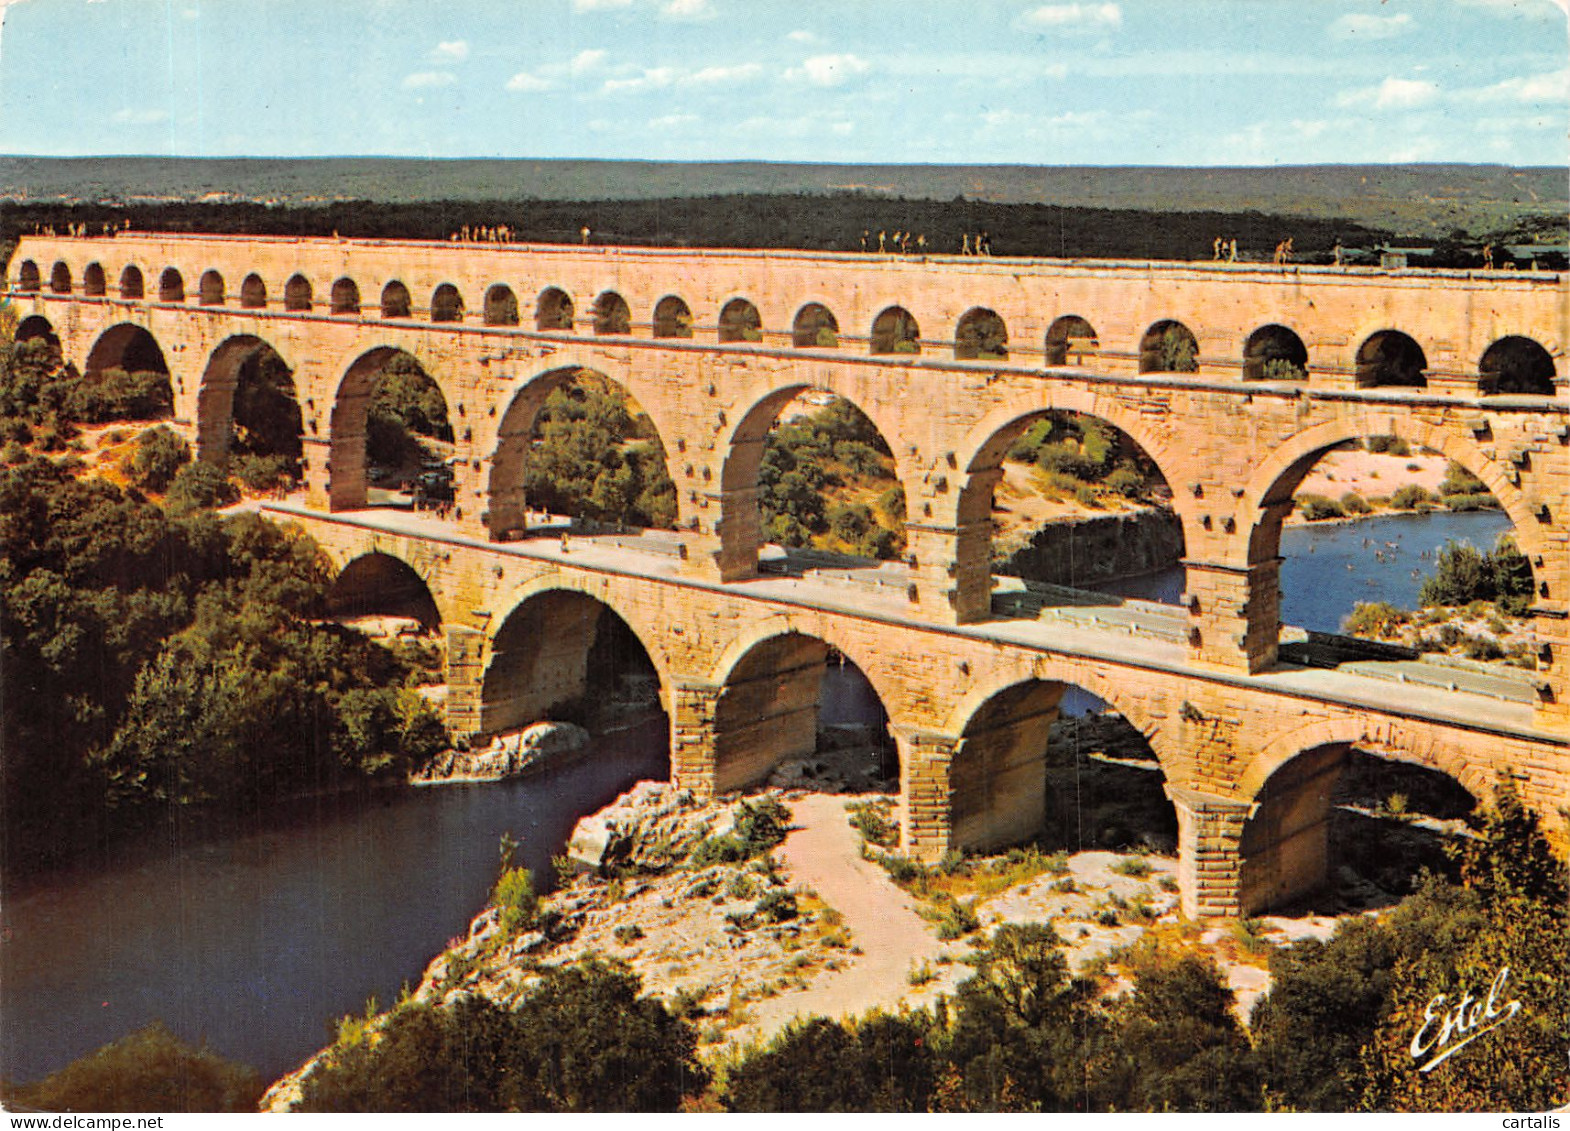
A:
{"x":964,"y":244}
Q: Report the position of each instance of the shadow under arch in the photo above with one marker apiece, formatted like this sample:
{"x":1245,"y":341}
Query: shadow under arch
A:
{"x":215,"y":408}
{"x":740,"y":522}
{"x":553,"y":639}
{"x":1023,"y":771}
{"x":348,"y":462}
{"x":506,"y":502}
{"x":774,"y":682}
{"x":1295,"y":784}
{"x":126,"y":346}
{"x":1516,"y":365}
{"x":36,"y":326}
{"x":379,"y":583}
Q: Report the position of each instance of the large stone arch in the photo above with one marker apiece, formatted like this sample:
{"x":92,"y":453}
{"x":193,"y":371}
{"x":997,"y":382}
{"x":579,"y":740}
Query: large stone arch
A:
{"x":1376,"y":735}
{"x":739,"y":525}
{"x":1267,"y":498}
{"x":128,"y":346}
{"x":37,"y":326}
{"x":1284,"y":844}
{"x":1052,"y":669}
{"x":574,"y":603}
{"x":346,"y":487}
{"x":505,"y":503}
{"x":379,"y":582}
{"x":978,"y":468}
{"x":769,"y":685}
{"x":215,"y":397}
{"x":997,"y":784}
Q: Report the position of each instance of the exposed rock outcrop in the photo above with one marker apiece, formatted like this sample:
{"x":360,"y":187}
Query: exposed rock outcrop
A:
{"x":508,"y":755}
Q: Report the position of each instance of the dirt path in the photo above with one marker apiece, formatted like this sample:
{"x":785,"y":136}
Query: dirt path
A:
{"x":822,"y":853}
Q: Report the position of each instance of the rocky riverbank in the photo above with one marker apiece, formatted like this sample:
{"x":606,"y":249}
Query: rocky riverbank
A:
{"x":812,"y":927}
{"x":509,"y":755}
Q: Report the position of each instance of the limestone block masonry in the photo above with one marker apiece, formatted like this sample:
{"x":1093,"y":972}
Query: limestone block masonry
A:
{"x":710,"y":354}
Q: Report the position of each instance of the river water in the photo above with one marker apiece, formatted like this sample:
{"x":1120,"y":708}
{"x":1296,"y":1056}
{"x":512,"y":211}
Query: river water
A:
{"x":255,"y":943}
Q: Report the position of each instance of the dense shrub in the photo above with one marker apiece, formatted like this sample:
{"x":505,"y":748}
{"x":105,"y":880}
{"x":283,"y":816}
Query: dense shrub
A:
{"x":1317,"y":508}
{"x":141,"y":648}
{"x":812,"y":464}
{"x":596,"y":459}
{"x":158,"y":457}
{"x":150,"y":1070}
{"x":1390,"y":445}
{"x":582,"y":1039}
{"x":1410,"y":496}
{"x":1463,"y":575}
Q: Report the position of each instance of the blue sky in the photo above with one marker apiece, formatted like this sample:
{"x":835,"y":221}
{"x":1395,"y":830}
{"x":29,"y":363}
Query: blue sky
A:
{"x":1160,"y":82}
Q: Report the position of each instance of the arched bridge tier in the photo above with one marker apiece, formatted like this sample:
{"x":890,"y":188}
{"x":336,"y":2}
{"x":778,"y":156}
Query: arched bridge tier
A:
{"x":949,"y":356}
{"x":1232,"y":746}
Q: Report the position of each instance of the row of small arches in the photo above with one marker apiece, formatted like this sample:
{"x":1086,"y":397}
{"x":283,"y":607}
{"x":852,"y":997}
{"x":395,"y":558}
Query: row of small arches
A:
{"x":1387,"y":358}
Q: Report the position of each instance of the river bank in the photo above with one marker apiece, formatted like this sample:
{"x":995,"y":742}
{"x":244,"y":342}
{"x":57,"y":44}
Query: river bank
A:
{"x":816,"y":929}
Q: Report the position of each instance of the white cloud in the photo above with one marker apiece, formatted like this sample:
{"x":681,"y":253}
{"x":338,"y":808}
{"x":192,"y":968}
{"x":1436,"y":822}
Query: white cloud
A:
{"x":428,"y":80}
{"x":528,"y":83}
{"x":586,"y":61}
{"x":802,"y":37}
{"x":672,"y":121}
{"x":1552,"y":87}
{"x":599,"y":5}
{"x":1392,"y":94}
{"x":133,"y":117}
{"x":651,"y":78}
{"x":741,"y":72}
{"x":828,"y":70}
{"x":451,"y":51}
{"x":687,"y":10}
{"x":1361,"y":25}
{"x":1074,"y":16}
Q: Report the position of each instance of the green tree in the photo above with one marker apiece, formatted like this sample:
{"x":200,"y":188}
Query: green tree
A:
{"x":584,"y":1040}
{"x":1175,"y":1044}
{"x":595,"y":458}
{"x":158,"y":457}
{"x":422,"y":1058}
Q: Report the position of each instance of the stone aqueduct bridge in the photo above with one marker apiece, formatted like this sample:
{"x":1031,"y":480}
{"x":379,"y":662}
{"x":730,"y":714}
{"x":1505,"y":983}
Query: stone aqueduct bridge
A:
{"x":952,"y":358}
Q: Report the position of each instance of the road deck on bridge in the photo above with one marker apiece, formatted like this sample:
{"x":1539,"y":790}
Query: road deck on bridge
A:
{"x":1488,"y":698}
